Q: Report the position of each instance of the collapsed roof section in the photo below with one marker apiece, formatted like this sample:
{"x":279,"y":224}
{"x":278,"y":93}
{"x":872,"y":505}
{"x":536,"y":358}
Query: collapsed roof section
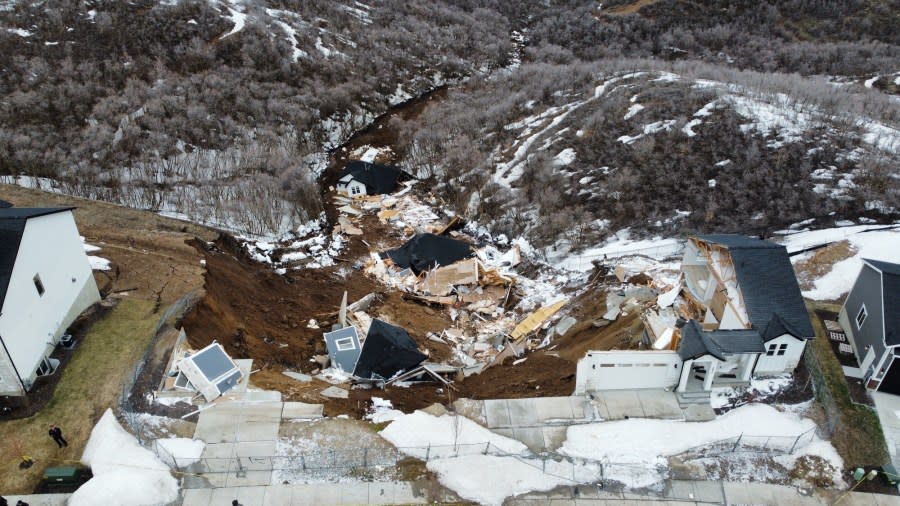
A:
{"x":343,"y":347}
{"x":425,"y":251}
{"x":377,"y":178}
{"x":387,"y":350}
{"x":210,"y":371}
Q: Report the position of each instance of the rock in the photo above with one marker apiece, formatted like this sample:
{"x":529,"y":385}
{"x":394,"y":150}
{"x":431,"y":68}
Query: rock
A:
{"x":435,"y":410}
{"x":335,"y":393}
{"x":564,"y":325}
{"x":298,"y":376}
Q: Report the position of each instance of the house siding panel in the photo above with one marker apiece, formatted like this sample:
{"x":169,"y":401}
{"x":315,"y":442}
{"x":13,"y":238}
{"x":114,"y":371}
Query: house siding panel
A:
{"x":30,"y":323}
{"x":777,"y":364}
{"x":867,"y":289}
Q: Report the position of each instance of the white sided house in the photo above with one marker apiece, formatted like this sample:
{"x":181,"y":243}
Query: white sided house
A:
{"x":871,"y":318}
{"x":739,"y":314}
{"x":45,"y":283}
{"x":360,"y":178}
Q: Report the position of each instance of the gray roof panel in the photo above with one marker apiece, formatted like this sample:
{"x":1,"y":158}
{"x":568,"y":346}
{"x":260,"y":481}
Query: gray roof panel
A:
{"x":213,"y":362}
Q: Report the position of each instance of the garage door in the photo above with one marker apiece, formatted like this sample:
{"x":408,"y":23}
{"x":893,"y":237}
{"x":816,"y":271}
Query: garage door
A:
{"x":627,"y":370}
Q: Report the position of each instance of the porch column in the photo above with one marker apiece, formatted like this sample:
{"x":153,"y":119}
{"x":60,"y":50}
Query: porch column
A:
{"x":685,"y":375}
{"x":747,"y":364}
{"x":710,"y":374}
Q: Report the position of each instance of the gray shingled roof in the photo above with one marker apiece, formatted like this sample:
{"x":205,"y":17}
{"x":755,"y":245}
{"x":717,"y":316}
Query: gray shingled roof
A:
{"x":12,"y":226}
{"x":696,"y":342}
{"x":768,"y":284}
{"x":890,"y":293}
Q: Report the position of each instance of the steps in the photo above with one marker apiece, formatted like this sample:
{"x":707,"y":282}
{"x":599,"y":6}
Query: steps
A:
{"x":688,"y":398}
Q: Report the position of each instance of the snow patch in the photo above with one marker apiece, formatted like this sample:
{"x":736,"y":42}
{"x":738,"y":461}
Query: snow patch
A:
{"x":125,"y":473}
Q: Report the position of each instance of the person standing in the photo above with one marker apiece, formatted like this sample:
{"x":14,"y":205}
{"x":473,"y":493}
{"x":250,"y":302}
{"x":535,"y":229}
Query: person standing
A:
{"x":56,"y":433}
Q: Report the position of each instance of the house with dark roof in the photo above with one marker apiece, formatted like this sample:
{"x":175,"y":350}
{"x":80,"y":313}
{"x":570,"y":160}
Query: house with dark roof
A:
{"x":45,"y":284}
{"x":742,"y":313}
{"x":365,"y":178}
{"x":871,"y":318}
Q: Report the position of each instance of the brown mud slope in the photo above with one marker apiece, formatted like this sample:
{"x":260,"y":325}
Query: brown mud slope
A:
{"x":254,"y":312}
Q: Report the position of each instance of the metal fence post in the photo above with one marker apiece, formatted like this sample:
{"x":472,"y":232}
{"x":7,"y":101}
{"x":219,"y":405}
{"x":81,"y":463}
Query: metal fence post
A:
{"x":796,"y":440}
{"x":303,"y":462}
{"x":487,"y":446}
{"x":736,"y":443}
{"x":427,"y":452}
{"x":366,"y":457}
{"x":333,"y":458}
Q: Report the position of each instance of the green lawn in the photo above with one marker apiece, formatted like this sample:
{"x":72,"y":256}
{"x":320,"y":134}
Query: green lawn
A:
{"x":857,"y":432}
{"x":91,"y":382}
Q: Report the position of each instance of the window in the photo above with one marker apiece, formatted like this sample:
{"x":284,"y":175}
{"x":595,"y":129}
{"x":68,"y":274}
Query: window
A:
{"x":782,"y":349}
{"x":45,"y":368}
{"x":354,"y":190}
{"x":345,"y":344}
{"x":38,"y":285}
{"x":771,"y":351}
{"x":861,"y":316}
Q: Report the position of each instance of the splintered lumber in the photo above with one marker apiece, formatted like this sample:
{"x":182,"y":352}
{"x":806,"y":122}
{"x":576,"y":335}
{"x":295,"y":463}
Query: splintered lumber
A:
{"x":533,"y":321}
{"x":448,"y":226}
{"x":348,"y":227}
{"x":350,"y":210}
{"x":386,"y":215}
{"x":440,"y":281}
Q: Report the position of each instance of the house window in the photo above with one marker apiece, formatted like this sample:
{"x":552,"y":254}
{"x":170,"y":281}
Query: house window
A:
{"x":38,"y":285}
{"x":45,"y":368}
{"x":861,"y":316}
{"x":782,"y":349}
{"x":345,"y":344}
{"x":771,"y":351}
{"x":354,"y":190}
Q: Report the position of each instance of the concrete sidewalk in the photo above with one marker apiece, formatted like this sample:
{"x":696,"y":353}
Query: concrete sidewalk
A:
{"x":540,"y":423}
{"x":320,"y":494}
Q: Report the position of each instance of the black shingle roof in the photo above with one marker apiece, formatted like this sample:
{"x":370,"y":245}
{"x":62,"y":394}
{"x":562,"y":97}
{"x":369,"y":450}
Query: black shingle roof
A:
{"x":768,"y":284}
{"x":12,"y":226}
{"x":379,"y":179}
{"x":4,"y":204}
{"x":890,"y":293}
{"x":695,"y":342}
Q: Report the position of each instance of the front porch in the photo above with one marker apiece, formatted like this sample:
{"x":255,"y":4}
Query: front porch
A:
{"x":700,"y":375}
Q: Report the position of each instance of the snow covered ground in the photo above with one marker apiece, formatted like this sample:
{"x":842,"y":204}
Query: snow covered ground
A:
{"x":639,"y":447}
{"x":866,"y":243}
{"x":125,"y":473}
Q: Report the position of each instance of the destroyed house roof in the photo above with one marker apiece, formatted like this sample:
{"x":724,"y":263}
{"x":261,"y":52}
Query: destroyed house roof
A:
{"x":211,"y":367}
{"x":12,"y":226}
{"x":377,"y":178}
{"x":387,"y":350}
{"x":696,"y":342}
{"x":890,"y":294}
{"x":425,"y":251}
{"x":767,"y":283}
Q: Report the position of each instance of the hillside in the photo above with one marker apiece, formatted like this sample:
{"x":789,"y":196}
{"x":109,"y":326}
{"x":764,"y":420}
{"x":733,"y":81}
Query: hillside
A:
{"x":225,"y":112}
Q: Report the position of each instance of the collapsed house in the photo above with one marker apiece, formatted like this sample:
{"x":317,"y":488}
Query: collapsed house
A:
{"x":386,"y":351}
{"x":737,"y":313}
{"x":364,"y":178}
{"x":426,"y":251}
{"x":209,"y":372}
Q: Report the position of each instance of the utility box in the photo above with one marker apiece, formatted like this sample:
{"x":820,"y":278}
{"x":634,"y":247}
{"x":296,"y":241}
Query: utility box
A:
{"x":63,"y":479}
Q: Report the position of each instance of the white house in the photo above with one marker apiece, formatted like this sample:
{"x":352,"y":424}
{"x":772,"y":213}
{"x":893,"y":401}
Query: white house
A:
{"x":739,"y":314}
{"x":360,"y":178}
{"x":45,"y":283}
